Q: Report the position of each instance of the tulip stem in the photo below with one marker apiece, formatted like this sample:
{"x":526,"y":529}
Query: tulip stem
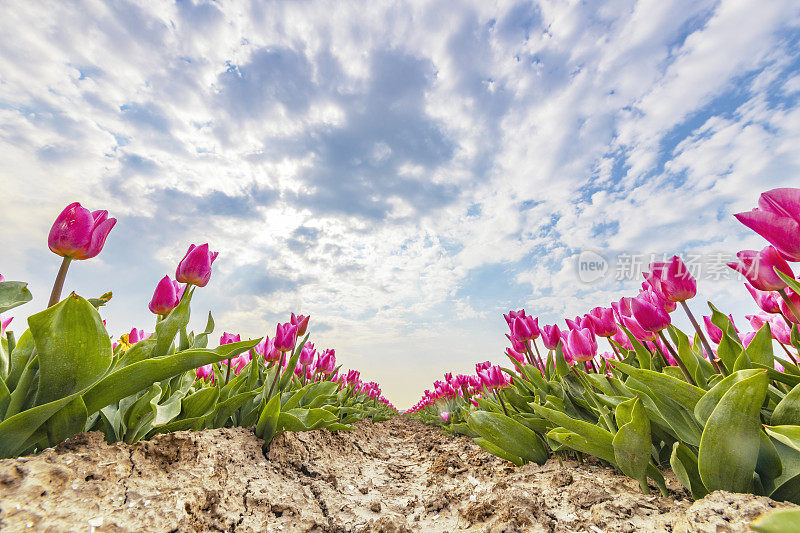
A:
{"x":789,"y":303}
{"x":703,"y":340}
{"x":786,"y":319}
{"x":502,"y":403}
{"x":275,"y":379}
{"x":677,"y":358}
{"x":616,"y":352}
{"x":538,"y":354}
{"x":533,"y":360}
{"x":55,"y":296}
{"x":228,"y":374}
{"x":789,"y":354}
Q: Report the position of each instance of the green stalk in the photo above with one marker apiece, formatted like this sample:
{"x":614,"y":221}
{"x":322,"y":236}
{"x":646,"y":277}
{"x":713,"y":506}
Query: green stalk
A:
{"x":703,"y":340}
{"x":55,"y":296}
{"x":677,"y":358}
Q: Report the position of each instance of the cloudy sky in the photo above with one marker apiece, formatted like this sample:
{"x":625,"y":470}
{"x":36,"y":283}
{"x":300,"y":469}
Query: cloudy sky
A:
{"x":402,"y":171}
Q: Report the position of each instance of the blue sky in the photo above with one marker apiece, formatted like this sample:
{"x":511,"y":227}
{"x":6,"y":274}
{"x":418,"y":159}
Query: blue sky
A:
{"x":404,"y":172}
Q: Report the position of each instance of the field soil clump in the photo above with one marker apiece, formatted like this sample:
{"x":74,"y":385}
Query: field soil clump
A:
{"x":394,"y":476}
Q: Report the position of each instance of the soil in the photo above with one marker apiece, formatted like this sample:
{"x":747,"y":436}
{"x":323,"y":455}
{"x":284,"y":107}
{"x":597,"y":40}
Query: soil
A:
{"x":395,"y":476}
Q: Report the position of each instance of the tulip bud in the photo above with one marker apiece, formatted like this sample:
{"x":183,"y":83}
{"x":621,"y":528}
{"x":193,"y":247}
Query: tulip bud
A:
{"x":769,"y":302}
{"x":195,"y":267}
{"x":759,"y":268}
{"x":307,"y":354}
{"x":445,"y":416}
{"x":714,"y":333}
{"x":581,"y":344}
{"x":551,"y":336}
{"x":672,"y":280}
{"x":228,"y":338}
{"x":4,"y":323}
{"x":602,"y":320}
{"x":301,"y":322}
{"x":649,"y":315}
{"x":167,"y":296}
{"x":78,"y":233}
{"x":285,"y":337}
{"x":205,"y":372}
{"x":777,"y":219}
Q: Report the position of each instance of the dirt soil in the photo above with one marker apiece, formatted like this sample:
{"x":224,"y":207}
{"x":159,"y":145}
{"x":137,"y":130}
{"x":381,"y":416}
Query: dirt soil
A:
{"x":394,"y":476}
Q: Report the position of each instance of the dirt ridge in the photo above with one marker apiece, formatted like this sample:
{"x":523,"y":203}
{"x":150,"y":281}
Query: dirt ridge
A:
{"x":395,"y":476}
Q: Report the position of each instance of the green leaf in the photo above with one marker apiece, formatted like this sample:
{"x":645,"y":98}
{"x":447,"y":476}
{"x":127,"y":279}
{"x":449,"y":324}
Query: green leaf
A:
{"x":20,"y":356}
{"x":684,"y":464}
{"x":267,"y":426}
{"x":679,"y":391}
{"x":167,"y":329}
{"x":200,"y":403}
{"x":729,"y":351}
{"x":769,"y":465}
{"x":13,"y":294}
{"x":498,"y":451}
{"x":586,"y":429}
{"x":68,"y":421}
{"x":777,"y":521}
{"x":201,"y":340}
{"x":789,"y":435}
{"x":582,"y":444}
{"x":138,"y":376}
{"x":632,"y":441}
{"x":787,"y":412}
{"x":292,"y":364}
{"x":730,"y":442}
{"x":100,"y":302}
{"x":760,"y":349}
{"x":706,"y":405}
{"x":304,"y":419}
{"x":642,"y":353}
{"x":509,"y":434}
{"x":15,"y":430}
{"x":73,"y":348}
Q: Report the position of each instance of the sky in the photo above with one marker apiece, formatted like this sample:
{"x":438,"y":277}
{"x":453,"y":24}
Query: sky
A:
{"x":404,"y":172}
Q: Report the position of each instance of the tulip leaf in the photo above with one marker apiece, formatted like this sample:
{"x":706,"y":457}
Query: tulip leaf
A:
{"x":68,"y":421}
{"x":19,"y":358}
{"x":588,"y":430}
{"x":777,"y":521}
{"x":101,"y":301}
{"x":760,"y":348}
{"x":138,"y":376}
{"x":681,"y":392}
{"x":72,"y":345}
{"x":304,"y":419}
{"x":788,"y":435}
{"x":769,"y":465}
{"x":17,"y":429}
{"x":582,"y":444}
{"x":729,"y":351}
{"x":730,"y":442}
{"x":199,"y":403}
{"x":498,"y":451}
{"x":684,"y":464}
{"x":787,"y":412}
{"x":710,"y":399}
{"x":167,"y":329}
{"x":642,"y":353}
{"x":632,"y":441}
{"x":510,"y":435}
{"x":13,"y":294}
{"x":793,"y":283}
{"x":201,"y":340}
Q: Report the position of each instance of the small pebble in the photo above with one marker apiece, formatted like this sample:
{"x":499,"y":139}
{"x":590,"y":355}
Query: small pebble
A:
{"x":375,"y":507}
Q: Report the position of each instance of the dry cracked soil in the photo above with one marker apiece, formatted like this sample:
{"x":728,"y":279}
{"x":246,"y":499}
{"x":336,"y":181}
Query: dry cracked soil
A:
{"x":394,"y":476}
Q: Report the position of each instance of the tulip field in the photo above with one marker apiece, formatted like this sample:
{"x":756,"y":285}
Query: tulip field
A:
{"x":714,"y":407}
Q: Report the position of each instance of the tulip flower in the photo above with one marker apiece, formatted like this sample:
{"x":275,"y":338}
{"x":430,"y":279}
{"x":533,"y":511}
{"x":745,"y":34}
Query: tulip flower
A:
{"x":167,"y":296}
{"x":445,"y":416}
{"x":195,"y":267}
{"x":790,"y":304}
{"x":525,"y":328}
{"x":266,"y":348}
{"x":513,"y":315}
{"x":769,"y":302}
{"x":205,"y":372}
{"x":516,"y":344}
{"x":603,"y":322}
{"x":4,"y":323}
{"x":515,"y":355}
{"x":714,"y":333}
{"x":759,"y":268}
{"x":757,"y":321}
{"x":78,"y":234}
{"x":672,"y":280}
{"x":777,"y":219}
{"x":551,"y":336}
{"x":228,"y":338}
{"x":326,"y":361}
{"x":581,"y":344}
{"x":780,"y":330}
{"x":649,"y":313}
{"x":301,"y":322}
{"x":307,"y":354}
{"x":285,"y":337}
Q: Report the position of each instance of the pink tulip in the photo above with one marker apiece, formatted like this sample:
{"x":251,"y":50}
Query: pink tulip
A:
{"x":78,"y":233}
{"x":769,"y":302}
{"x":512,"y":315}
{"x":637,"y":330}
{"x":205,"y":372}
{"x":517,"y":345}
{"x":777,"y":219}
{"x":757,"y":321}
{"x":649,"y":314}
{"x":326,"y":361}
{"x":137,"y":335}
{"x":301,"y":322}
{"x":551,"y":336}
{"x":445,"y":416}
{"x":493,"y":377}
{"x":746,"y":338}
{"x":525,"y":328}
{"x":603,"y":322}
{"x":4,"y":323}
{"x":672,"y":280}
{"x":266,"y":348}
{"x":714,"y":333}
{"x":515,"y":355}
{"x":780,"y":329}
{"x":758,"y":268}
{"x":786,"y":310}
{"x":285,"y":337}
{"x":307,"y":354}
{"x":228,"y":338}
{"x":167,"y":296}
{"x":581,"y":344}
{"x":195,"y":267}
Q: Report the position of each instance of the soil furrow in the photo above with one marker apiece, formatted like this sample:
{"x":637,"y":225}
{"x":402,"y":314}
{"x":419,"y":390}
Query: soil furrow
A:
{"x":395,"y":476}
